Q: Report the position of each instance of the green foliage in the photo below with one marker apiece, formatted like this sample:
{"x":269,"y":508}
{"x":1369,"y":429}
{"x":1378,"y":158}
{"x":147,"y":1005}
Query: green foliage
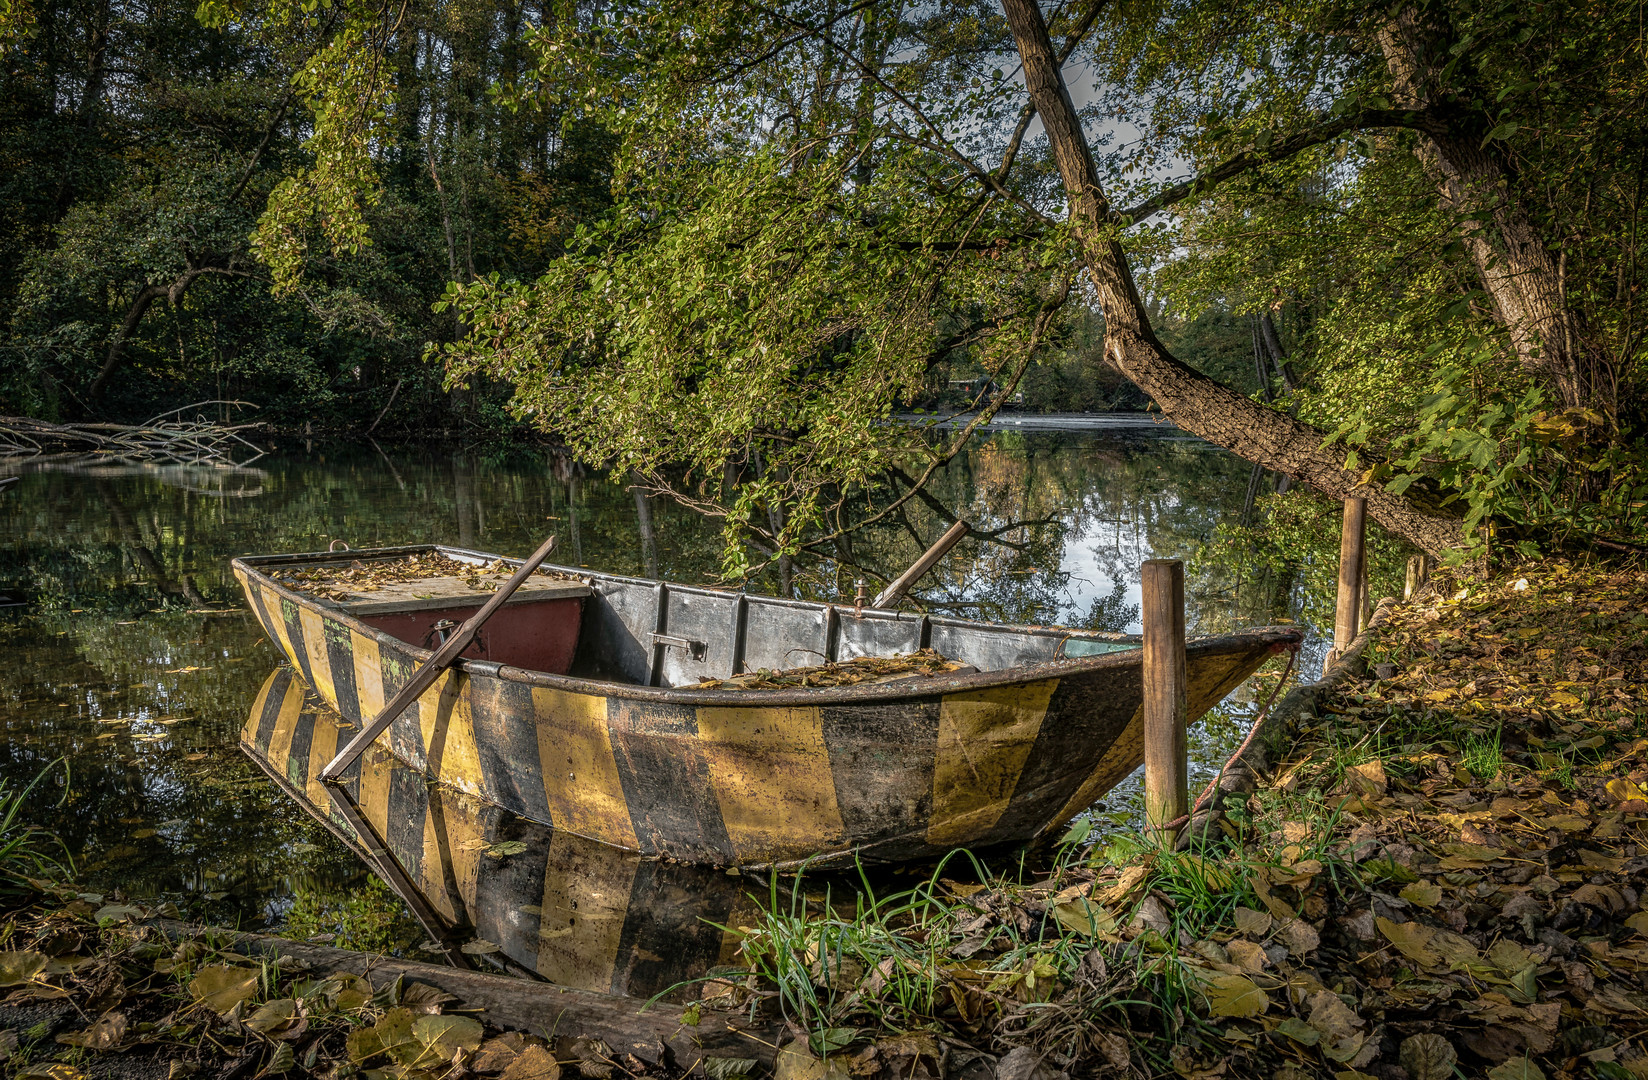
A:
{"x":1374,"y":279}
{"x":364,"y":915}
{"x":25,"y":848}
{"x":315,"y":306}
{"x":343,"y":85}
{"x":759,"y":316}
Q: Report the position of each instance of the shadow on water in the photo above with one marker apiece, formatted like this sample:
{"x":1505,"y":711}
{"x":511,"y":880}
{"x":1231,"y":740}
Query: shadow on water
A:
{"x":127,"y":651}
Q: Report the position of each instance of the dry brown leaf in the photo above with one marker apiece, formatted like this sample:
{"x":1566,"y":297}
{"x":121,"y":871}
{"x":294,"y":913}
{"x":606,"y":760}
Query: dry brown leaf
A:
{"x":1413,"y":940}
{"x":533,"y":1063}
{"x":1367,"y":778}
{"x":1234,"y":996}
{"x":1299,"y":936}
{"x":1256,"y":924}
{"x":1247,"y":955}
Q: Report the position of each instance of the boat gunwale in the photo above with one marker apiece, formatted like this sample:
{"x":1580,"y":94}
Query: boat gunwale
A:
{"x":1277,"y":638}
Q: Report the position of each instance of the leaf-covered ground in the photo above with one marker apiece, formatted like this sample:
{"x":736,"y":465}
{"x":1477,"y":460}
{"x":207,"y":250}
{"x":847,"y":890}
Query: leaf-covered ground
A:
{"x":1445,"y":879}
{"x":88,"y":990}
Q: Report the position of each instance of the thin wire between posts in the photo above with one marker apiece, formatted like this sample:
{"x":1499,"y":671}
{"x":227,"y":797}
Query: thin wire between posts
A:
{"x":1213,"y":785}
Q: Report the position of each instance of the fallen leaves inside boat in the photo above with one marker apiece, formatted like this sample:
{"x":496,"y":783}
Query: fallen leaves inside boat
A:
{"x":860,"y":669}
{"x":331,"y":581}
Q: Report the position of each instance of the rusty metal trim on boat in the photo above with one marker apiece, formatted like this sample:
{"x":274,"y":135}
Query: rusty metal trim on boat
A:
{"x":884,"y":772}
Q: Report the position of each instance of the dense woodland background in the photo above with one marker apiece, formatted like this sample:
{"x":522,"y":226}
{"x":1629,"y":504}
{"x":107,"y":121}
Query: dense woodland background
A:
{"x":1384,"y":250}
{"x":138,"y":149}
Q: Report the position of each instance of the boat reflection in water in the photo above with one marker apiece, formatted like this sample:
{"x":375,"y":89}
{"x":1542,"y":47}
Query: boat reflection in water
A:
{"x":558,"y":907}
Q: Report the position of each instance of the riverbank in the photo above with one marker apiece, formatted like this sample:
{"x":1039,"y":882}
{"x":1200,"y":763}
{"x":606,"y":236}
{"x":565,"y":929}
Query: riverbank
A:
{"x":95,"y":986}
{"x":1443,"y":871}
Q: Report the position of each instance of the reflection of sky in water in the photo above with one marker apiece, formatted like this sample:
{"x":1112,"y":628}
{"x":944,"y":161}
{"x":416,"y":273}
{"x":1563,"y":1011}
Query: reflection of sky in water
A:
{"x":1088,"y":559}
{"x":134,"y":620}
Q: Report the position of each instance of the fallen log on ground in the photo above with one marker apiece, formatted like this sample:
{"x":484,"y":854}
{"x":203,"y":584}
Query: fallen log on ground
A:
{"x":655,"y":1034}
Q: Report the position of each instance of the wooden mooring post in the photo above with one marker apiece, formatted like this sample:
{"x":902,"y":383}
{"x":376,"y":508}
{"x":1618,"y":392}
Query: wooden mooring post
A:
{"x":1166,"y":796}
{"x":1419,"y":575}
{"x":1352,"y":553}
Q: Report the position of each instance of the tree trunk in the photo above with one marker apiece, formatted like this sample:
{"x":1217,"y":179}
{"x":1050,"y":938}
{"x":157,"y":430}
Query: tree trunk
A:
{"x":1551,"y":339}
{"x":643,"y":522}
{"x":1190,"y":399}
{"x":463,"y":499}
{"x":1261,"y":370}
{"x":147,"y":295}
{"x":1278,"y":355}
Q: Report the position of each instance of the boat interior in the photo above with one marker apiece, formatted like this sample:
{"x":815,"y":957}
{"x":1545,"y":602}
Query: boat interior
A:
{"x":572,"y":621}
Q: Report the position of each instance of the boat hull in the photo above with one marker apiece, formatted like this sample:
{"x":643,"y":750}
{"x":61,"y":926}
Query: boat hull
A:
{"x":555,"y":906}
{"x":749,"y":778}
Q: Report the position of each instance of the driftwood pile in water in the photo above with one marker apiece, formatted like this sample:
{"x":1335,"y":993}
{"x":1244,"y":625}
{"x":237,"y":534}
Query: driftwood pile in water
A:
{"x":166,"y":440}
{"x":347,"y":583}
{"x":861,"y":669}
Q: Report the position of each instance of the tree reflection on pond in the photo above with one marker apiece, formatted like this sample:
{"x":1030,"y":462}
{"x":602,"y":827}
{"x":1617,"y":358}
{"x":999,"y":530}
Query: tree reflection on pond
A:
{"x":130,"y":655}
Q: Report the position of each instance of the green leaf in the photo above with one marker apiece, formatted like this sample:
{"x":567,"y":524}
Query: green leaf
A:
{"x":829,"y":1040}
{"x":1299,"y":1031}
{"x":444,"y":1036}
{"x":1078,"y":831}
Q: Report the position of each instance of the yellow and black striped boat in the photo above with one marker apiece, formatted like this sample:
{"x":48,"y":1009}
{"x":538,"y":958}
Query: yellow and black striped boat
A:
{"x":578,"y":708}
{"x":495,"y":890}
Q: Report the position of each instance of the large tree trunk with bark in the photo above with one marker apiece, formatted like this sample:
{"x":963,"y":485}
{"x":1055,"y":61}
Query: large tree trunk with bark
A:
{"x":1190,"y":399}
{"x":1525,"y":283}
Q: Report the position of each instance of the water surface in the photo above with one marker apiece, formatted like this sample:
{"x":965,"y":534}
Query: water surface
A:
{"x":127,"y":652}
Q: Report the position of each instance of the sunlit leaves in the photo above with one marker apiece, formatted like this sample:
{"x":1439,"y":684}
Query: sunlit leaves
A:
{"x":18,"y":967}
{"x":345,"y":85}
{"x":222,"y":987}
{"x":757,"y":321}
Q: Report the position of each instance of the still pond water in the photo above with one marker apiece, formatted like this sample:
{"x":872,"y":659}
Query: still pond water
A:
{"x":125,"y":651}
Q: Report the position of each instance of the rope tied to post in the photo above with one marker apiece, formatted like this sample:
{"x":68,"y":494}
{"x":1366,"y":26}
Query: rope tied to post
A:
{"x":1258,"y":722}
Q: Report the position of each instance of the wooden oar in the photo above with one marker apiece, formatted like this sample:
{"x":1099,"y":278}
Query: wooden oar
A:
{"x":893,"y":593}
{"x":426,"y":675}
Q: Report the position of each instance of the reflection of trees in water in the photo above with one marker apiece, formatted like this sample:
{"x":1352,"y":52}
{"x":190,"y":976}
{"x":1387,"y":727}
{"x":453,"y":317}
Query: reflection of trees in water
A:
{"x":1120,"y":499}
{"x":1112,"y":611}
{"x":115,"y":568}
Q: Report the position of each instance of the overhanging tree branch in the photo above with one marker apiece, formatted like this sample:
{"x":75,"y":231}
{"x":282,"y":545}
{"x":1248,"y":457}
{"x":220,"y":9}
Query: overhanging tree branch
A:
{"x":1189,"y":398}
{"x":1278,"y":150}
{"x":1071,"y":40}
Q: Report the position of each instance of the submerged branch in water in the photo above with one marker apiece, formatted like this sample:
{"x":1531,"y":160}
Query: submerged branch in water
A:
{"x":165,"y":439}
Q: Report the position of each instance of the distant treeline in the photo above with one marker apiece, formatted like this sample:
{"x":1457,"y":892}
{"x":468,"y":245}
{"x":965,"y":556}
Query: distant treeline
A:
{"x":138,"y":150}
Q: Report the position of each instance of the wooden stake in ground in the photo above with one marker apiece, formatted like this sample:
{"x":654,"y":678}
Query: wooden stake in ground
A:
{"x":1166,"y":783}
{"x":1348,"y":611}
{"x":1419,"y":573}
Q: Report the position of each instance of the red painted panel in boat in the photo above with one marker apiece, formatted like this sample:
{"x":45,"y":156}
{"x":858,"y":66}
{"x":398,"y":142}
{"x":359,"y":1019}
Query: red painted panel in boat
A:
{"x":538,"y":636}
